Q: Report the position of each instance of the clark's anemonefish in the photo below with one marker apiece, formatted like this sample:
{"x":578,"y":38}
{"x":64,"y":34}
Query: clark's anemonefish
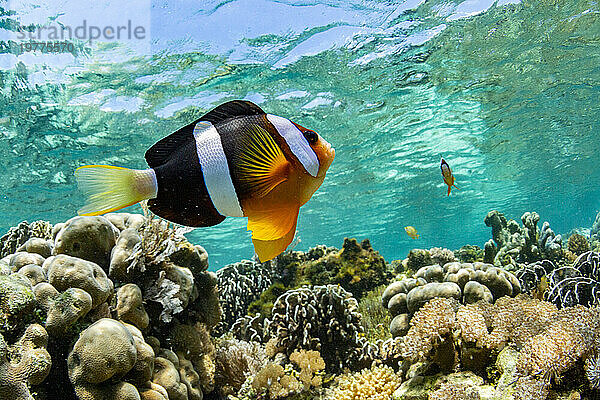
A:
{"x":235,"y":161}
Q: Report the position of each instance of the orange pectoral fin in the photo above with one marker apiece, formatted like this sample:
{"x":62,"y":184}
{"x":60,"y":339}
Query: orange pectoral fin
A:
{"x":269,"y":249}
{"x":269,"y":225}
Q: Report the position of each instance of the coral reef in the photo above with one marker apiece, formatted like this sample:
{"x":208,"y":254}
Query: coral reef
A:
{"x":578,"y":244}
{"x":123,"y":307}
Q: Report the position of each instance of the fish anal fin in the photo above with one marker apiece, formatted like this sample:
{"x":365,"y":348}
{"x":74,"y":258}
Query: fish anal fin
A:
{"x":269,"y":249}
{"x":449,"y":189}
{"x":268,"y":225}
{"x":262,"y":165}
{"x":231,"y":109}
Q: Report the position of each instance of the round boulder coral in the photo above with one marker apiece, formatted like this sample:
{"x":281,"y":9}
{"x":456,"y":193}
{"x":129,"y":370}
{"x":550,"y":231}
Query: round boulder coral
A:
{"x":66,"y":309}
{"x":66,"y":272}
{"x":105,"y":350}
{"x":129,"y":306}
{"x":90,"y":238}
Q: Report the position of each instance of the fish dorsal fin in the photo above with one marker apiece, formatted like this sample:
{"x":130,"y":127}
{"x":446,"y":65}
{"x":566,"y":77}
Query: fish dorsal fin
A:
{"x":272,"y":224}
{"x":161,"y":151}
{"x":261,"y":164}
{"x":231,"y":109}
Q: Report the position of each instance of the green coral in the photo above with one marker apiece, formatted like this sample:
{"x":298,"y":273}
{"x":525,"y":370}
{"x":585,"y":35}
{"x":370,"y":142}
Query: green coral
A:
{"x":578,"y":244}
{"x":264,"y":304}
{"x":356,"y":267}
{"x":469,"y":253}
{"x":375,"y":319}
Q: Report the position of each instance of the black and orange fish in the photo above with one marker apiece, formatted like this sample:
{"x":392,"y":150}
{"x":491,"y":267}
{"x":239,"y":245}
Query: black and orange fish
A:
{"x":447,"y":175}
{"x":235,"y":161}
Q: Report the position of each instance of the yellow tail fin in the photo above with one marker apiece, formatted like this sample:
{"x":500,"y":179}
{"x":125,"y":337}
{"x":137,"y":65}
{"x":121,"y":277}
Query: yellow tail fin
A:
{"x":109,"y":188}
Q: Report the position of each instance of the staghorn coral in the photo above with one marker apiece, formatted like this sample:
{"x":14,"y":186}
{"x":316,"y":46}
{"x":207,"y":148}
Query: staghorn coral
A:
{"x":236,"y":360}
{"x":323,"y":318}
{"x":25,"y":363}
{"x":17,"y":236}
{"x":376,"y":383}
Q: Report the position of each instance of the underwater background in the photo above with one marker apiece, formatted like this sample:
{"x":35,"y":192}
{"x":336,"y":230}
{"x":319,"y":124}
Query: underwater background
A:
{"x":506,"y":91}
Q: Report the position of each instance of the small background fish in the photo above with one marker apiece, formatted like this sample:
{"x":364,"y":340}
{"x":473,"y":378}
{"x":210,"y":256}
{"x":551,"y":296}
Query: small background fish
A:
{"x":411,"y":231}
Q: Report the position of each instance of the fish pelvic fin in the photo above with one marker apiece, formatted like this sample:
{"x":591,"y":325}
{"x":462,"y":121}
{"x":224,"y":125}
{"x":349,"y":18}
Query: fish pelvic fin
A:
{"x":108,"y":188}
{"x":269,"y":249}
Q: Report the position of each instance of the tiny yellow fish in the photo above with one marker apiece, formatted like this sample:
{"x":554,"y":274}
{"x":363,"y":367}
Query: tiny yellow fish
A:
{"x":411,"y":231}
{"x":447,"y":175}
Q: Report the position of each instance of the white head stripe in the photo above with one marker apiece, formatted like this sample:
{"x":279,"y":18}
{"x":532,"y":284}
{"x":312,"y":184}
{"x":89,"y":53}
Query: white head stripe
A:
{"x":216,"y":170}
{"x":297,"y":143}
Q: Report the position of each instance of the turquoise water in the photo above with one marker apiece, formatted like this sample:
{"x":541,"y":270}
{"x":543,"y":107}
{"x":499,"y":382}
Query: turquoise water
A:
{"x":507,"y":92}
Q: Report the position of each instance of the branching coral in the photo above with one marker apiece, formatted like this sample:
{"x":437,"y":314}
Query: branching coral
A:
{"x":276,"y":381}
{"x":324,"y":318}
{"x":578,"y":244}
{"x":512,"y":243}
{"x":239,"y":285}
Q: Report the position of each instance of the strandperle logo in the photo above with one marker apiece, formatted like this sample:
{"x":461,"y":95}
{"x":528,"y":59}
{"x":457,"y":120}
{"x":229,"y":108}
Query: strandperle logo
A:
{"x":86,"y":32}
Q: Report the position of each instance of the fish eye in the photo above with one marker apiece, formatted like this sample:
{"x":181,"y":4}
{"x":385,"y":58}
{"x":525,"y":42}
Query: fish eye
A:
{"x":311,"y":136}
